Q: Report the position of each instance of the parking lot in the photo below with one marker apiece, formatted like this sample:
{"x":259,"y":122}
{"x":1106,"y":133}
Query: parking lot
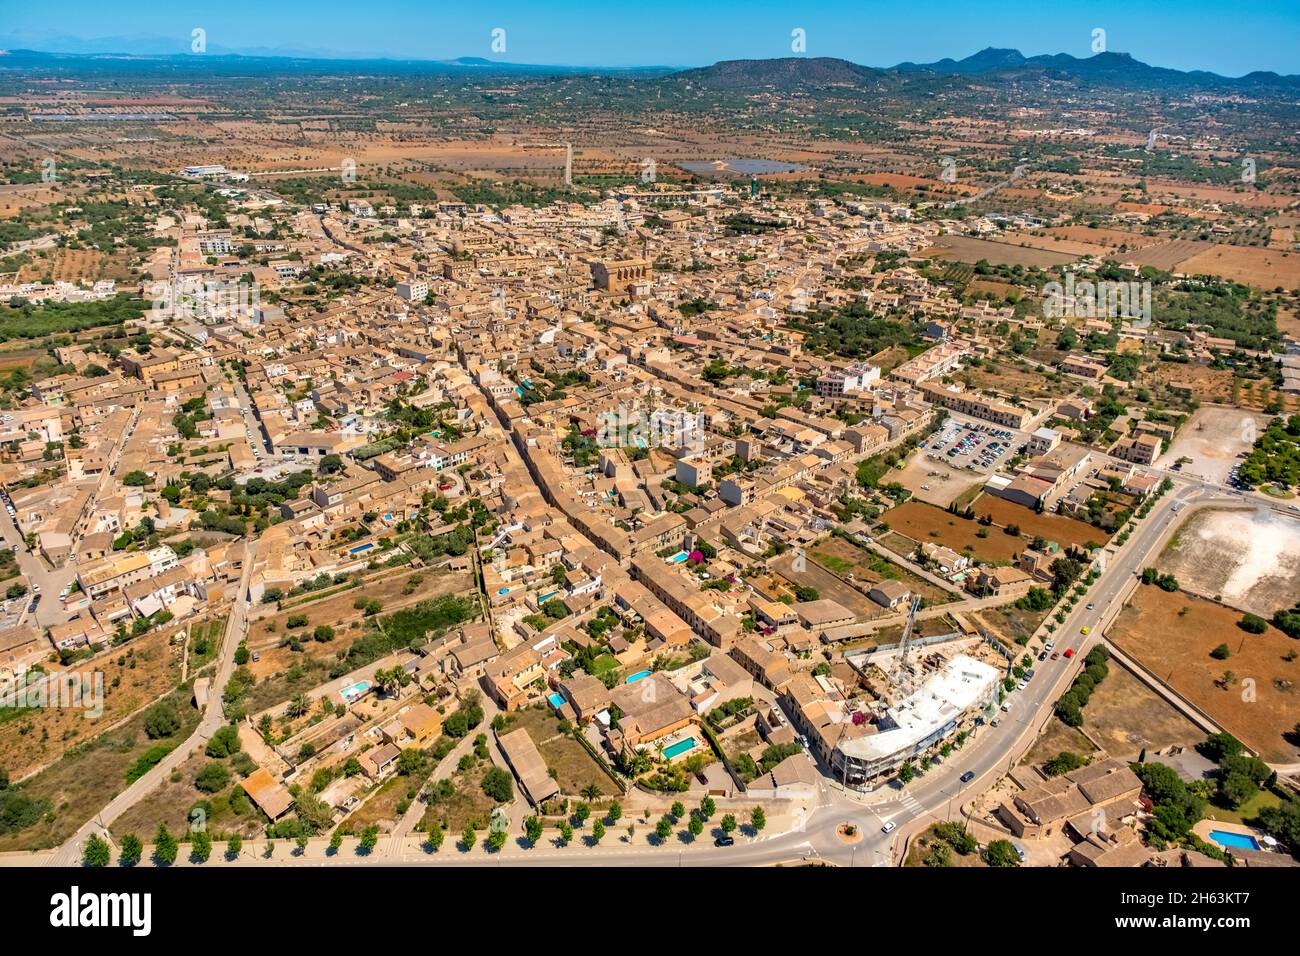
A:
{"x":973,"y":446}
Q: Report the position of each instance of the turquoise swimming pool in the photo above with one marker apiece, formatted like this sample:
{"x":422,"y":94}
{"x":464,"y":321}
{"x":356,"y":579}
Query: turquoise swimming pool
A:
{"x":679,"y":557}
{"x":633,"y":678}
{"x":557,"y":701}
{"x":1234,"y":841}
{"x":681,"y":747}
{"x":354,"y":691}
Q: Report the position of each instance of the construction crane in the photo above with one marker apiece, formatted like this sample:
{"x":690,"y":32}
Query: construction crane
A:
{"x":906,"y":643}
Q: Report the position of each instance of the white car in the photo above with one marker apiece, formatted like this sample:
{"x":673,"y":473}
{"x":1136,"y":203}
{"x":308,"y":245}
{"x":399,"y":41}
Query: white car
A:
{"x":889,"y":827}
{"x":1022,"y":685}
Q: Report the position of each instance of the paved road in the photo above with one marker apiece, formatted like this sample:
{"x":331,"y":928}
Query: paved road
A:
{"x":213,"y":718}
{"x":815,"y":834}
{"x":995,"y":750}
{"x":51,"y":581}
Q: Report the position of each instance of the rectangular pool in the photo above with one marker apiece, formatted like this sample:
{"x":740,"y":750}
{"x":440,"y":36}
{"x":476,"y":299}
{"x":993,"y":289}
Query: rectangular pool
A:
{"x":681,"y":747}
{"x":1234,"y":841}
{"x":557,"y":701}
{"x":351,"y":693}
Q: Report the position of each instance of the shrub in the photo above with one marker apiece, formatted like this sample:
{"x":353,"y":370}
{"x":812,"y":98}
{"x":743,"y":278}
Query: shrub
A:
{"x":162,"y":720}
{"x":212,"y":777}
{"x":1253,"y":624}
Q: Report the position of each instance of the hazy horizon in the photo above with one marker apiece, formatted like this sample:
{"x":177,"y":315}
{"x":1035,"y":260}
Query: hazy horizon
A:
{"x":680,"y":35}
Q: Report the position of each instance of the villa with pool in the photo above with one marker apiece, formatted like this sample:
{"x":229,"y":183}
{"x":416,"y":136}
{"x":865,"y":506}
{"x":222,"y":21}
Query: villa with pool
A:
{"x":652,"y":712}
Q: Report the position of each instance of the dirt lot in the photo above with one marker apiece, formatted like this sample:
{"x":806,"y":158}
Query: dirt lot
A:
{"x":1011,"y":622}
{"x":1176,"y":645}
{"x":1013,"y":379}
{"x":945,"y":485}
{"x":1212,"y":438}
{"x":384,"y":807}
{"x":1057,"y":738}
{"x":1124,"y":715}
{"x":1249,"y":559}
{"x":134,"y":675}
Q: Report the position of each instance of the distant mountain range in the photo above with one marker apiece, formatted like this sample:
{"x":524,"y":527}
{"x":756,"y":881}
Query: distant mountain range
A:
{"x":1119,"y":69}
{"x":781,"y":74}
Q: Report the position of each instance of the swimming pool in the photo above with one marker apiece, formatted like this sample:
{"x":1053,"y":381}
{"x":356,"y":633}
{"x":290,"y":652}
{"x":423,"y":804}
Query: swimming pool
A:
{"x":633,"y":678}
{"x":681,"y":747}
{"x":1234,"y":841}
{"x":361,"y":547}
{"x":557,"y":701}
{"x":679,"y":557}
{"x":354,"y":691}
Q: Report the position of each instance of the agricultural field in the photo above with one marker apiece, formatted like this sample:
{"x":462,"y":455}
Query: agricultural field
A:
{"x":1249,"y":559}
{"x":1261,"y":268}
{"x":1110,"y":238}
{"x":844,"y":558}
{"x":1172,"y":634}
{"x":1167,"y":256}
{"x":921,"y":523}
{"x":569,"y":762}
{"x":1064,"y":531}
{"x":827,"y":585}
{"x":970,"y":249}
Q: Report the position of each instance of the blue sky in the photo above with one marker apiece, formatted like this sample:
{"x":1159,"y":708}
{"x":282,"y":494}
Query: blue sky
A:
{"x":1225,"y":37}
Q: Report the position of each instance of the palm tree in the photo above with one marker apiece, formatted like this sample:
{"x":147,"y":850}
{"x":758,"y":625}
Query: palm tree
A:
{"x":299,"y":705}
{"x":590,"y":792}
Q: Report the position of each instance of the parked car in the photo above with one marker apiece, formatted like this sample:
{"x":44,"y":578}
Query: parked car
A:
{"x":724,"y":841}
{"x":1042,"y":657}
